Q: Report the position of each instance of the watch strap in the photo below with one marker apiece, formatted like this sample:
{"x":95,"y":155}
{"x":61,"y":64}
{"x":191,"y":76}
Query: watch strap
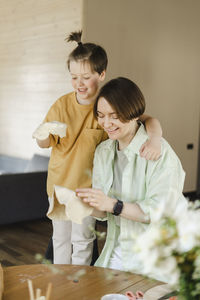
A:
{"x":117,"y":209}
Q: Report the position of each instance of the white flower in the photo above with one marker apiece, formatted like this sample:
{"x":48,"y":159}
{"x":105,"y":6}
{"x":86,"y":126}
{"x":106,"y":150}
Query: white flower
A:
{"x":188,"y":227}
{"x":168,"y":271}
{"x":174,"y":228}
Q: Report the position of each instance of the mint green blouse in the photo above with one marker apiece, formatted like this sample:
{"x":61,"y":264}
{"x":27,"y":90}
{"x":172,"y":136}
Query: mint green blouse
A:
{"x":143,"y":182}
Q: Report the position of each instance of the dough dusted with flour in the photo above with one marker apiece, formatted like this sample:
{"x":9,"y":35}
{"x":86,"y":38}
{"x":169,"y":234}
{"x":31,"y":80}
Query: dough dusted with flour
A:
{"x":65,"y":205}
{"x":54,"y":127}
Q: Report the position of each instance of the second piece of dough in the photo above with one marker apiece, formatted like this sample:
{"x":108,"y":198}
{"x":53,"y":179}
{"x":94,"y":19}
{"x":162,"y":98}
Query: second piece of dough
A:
{"x":67,"y":206}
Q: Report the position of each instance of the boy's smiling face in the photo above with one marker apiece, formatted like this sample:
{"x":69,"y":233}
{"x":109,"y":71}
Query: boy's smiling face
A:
{"x":85,"y":81}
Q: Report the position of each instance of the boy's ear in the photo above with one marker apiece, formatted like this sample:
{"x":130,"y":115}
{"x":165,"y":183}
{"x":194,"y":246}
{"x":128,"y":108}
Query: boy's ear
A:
{"x":103,"y":75}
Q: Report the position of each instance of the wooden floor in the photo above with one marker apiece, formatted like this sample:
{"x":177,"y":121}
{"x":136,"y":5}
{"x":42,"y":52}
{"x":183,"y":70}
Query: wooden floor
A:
{"x":20,"y":242}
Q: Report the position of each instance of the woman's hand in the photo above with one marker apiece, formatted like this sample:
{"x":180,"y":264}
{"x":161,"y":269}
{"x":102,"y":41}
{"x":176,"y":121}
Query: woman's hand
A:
{"x":97,"y":199}
{"x":151,"y":149}
{"x":102,"y":203}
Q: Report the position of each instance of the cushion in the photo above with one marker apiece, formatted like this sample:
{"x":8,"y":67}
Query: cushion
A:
{"x":37,"y":163}
{"x":11,"y":164}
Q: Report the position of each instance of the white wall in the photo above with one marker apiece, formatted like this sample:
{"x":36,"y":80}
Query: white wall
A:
{"x":33,"y":71}
{"x":156,"y":43}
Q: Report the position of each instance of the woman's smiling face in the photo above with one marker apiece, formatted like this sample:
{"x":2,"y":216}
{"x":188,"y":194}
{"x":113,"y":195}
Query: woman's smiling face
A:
{"x":111,"y":123}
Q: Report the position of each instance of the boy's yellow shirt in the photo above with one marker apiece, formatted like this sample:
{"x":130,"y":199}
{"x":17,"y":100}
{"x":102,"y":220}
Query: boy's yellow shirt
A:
{"x":71,"y":158}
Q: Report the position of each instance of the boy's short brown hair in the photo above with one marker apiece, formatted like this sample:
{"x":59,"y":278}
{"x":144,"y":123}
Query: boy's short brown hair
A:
{"x":92,"y":53}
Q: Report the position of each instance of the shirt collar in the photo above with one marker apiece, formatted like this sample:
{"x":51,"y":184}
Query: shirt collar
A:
{"x":134,"y":147}
{"x":138,"y":140}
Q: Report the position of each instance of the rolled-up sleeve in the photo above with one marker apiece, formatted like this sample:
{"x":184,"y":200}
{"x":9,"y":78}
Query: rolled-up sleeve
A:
{"x":160,"y":187}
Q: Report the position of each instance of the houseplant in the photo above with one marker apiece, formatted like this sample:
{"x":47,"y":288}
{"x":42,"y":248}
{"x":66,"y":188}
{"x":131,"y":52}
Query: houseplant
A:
{"x":170,"y":246}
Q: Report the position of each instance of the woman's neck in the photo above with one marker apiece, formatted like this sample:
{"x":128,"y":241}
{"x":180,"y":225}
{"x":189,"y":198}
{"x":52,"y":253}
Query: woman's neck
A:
{"x":125,"y":141}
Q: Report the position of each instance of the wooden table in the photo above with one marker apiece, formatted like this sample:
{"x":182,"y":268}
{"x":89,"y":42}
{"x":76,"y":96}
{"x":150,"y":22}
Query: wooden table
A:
{"x":95,"y":283}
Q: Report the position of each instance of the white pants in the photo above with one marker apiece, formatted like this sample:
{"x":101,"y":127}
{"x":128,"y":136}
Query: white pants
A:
{"x":73,"y":243}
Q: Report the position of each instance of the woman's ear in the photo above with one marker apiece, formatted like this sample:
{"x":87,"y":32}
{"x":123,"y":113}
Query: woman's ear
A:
{"x":102,"y":75}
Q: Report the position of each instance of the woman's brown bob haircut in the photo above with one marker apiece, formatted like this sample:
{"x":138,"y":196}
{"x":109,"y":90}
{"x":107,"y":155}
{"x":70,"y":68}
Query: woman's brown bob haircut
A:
{"x":125,"y":98}
{"x":94,"y":54}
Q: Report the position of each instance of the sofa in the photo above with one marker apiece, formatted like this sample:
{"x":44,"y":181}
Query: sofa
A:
{"x":23,"y":194}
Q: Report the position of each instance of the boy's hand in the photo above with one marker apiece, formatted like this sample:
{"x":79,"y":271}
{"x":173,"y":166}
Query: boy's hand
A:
{"x":97,"y":199}
{"x":151,"y":149}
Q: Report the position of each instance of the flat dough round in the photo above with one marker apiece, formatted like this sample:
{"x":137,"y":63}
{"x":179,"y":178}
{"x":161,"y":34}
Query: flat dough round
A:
{"x":65,"y":205}
{"x":77,"y":210}
{"x":54,"y":127}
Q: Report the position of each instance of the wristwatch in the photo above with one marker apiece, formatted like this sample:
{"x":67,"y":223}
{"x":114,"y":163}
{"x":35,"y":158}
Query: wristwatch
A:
{"x":117,"y":209}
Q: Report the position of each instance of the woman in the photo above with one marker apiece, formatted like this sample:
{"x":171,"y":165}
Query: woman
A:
{"x":126,"y":187}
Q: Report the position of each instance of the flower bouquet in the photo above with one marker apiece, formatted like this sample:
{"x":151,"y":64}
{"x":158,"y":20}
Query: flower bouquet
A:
{"x":170,"y":246}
